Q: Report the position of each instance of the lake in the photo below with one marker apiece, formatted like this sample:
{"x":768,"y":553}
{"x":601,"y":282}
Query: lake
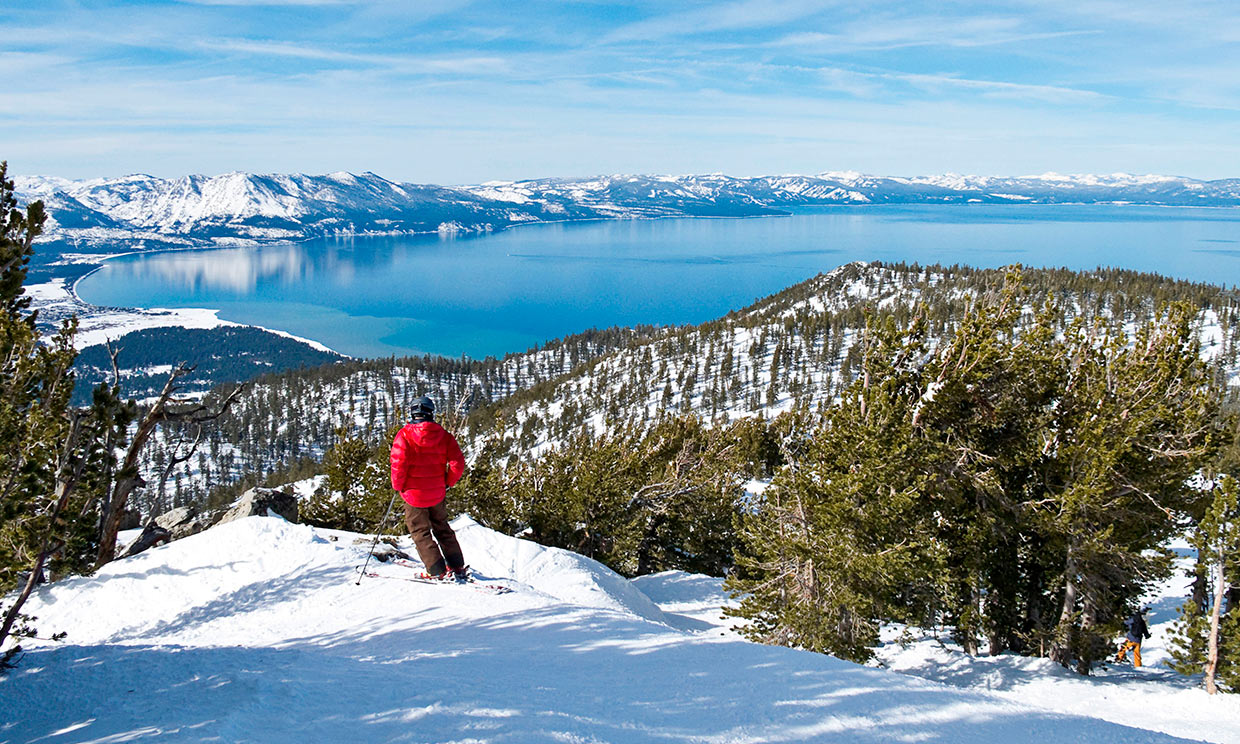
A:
{"x":508,"y":291}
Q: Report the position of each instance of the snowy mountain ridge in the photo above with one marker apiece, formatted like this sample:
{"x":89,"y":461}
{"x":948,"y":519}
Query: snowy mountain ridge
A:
{"x":251,"y":208}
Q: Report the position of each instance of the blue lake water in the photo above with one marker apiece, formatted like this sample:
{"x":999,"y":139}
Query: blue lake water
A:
{"x":505,"y":292}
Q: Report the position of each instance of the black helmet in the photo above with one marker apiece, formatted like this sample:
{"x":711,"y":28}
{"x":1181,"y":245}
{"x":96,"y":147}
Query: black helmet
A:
{"x":423,"y":407}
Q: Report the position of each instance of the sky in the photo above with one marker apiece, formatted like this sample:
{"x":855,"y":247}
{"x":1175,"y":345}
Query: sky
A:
{"x":456,"y":92}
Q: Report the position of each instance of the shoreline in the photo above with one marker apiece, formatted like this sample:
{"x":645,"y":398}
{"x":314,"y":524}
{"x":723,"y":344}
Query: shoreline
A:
{"x":125,"y":320}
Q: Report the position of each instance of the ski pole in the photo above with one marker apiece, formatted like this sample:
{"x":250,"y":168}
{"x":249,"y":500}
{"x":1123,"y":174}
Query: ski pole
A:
{"x":376,"y":540}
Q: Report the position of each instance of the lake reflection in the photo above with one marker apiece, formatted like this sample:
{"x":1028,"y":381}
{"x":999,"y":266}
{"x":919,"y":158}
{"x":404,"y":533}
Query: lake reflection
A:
{"x":506,"y":292}
{"x":235,"y":271}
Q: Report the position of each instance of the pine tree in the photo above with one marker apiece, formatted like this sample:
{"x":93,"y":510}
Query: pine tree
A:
{"x":56,"y":461}
{"x":1206,"y":637}
{"x":357,"y":488}
{"x":1136,"y":419}
{"x":956,"y":480}
{"x":687,"y":497}
{"x":831,"y":546}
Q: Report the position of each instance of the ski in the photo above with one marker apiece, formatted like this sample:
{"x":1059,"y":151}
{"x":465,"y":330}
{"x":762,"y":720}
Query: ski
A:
{"x":417,"y":566}
{"x":424,"y":579}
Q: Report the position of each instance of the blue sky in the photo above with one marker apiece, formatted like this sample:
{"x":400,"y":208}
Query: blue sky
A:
{"x":449,"y":91}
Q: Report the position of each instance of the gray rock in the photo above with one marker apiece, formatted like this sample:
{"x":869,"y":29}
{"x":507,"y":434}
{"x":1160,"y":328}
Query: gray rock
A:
{"x":186,"y":520}
{"x":175,"y":517}
{"x":384,"y":553}
{"x":151,"y":536}
{"x":262,"y":502}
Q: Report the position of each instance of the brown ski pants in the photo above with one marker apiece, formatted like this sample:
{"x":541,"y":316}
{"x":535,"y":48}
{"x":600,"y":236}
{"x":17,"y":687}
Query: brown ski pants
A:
{"x":431,"y":533}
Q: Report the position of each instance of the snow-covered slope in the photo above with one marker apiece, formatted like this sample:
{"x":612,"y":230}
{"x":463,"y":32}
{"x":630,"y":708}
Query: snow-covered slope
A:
{"x":249,"y":208}
{"x":252,"y":208}
{"x":256,"y":631}
{"x":1153,"y":696}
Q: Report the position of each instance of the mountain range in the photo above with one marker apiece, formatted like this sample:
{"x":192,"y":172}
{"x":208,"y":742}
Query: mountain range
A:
{"x":246,"y":208}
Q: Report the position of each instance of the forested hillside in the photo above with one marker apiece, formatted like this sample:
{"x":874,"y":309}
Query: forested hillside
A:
{"x":225,"y":354}
{"x":794,"y":350}
{"x":290,"y":419}
{"x":797,"y":349}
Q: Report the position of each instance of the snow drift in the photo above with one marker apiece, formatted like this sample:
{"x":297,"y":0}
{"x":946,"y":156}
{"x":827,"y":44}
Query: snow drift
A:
{"x":256,"y":631}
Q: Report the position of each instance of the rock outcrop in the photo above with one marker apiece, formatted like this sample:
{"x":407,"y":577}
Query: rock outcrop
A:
{"x":256,"y":502}
{"x":262,"y":502}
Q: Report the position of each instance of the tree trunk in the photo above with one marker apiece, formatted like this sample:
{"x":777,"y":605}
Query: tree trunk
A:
{"x":1087,"y":646}
{"x":1033,"y":626}
{"x":997,"y":642}
{"x":1061,"y":646}
{"x":966,"y":631}
{"x":1212,"y":641}
{"x":10,"y":617}
{"x":111,"y":525}
{"x":68,"y":474}
{"x":1200,"y":592}
{"x":129,"y":479}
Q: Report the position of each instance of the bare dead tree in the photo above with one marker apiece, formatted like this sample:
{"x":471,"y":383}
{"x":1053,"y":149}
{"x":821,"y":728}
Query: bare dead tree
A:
{"x":128,"y":478}
{"x":176,"y":459}
{"x":113,"y":354}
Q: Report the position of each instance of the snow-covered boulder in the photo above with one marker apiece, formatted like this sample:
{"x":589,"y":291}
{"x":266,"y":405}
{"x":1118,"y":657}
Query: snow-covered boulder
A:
{"x":151,"y":536}
{"x":563,"y":574}
{"x":185,"y":521}
{"x":262,"y":502}
{"x":256,"y":502}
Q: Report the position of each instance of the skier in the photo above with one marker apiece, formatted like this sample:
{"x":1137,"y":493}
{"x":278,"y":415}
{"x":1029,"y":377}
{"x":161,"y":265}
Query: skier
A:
{"x":426,"y":461}
{"x":1137,"y":631}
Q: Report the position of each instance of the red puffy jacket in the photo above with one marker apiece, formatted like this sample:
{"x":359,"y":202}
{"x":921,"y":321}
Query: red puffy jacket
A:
{"x":426,"y":460}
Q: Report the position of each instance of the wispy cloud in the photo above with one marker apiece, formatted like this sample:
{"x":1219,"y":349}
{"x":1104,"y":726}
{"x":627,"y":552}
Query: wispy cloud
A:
{"x":944,"y":33}
{"x":405,"y":63}
{"x":732,"y":16}
{"x":1047,"y":93}
{"x":452,"y":90}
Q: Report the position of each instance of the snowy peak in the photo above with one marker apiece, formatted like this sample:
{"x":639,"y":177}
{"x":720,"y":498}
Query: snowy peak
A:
{"x":246,"y":207}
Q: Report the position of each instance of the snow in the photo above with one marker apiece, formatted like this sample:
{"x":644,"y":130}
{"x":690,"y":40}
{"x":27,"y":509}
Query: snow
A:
{"x":97,"y":325}
{"x":248,"y":209}
{"x":756,"y":487}
{"x":1152,"y":697}
{"x":125,"y":537}
{"x":694,"y":597}
{"x":257,"y":630}
{"x":305,"y":489}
